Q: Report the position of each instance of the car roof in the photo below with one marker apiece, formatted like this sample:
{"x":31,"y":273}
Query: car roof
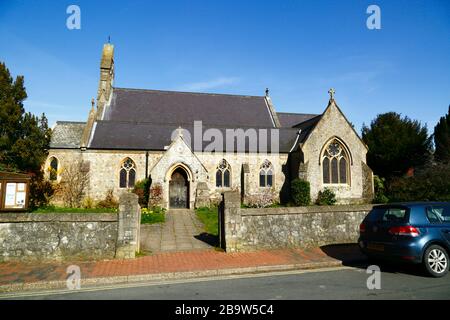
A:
{"x":412,"y":204}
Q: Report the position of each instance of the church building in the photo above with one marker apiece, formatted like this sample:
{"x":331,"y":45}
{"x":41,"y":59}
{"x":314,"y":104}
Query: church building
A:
{"x":194,"y":146}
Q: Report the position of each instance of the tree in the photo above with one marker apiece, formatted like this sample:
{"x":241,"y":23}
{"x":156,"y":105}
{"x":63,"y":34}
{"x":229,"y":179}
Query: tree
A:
{"x":442,"y":138}
{"x":396,"y":144}
{"x":24,"y":138}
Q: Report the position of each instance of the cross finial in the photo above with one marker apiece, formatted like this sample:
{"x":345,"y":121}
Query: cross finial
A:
{"x":331,"y":92}
{"x":267,"y":92}
{"x":180,"y":132}
{"x":109,"y":39}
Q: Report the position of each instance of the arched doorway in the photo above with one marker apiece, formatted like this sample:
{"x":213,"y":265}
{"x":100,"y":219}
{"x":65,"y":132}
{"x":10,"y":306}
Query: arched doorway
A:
{"x":179,"y":189}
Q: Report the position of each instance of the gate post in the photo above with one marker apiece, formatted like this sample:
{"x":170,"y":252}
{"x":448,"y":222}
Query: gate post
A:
{"x":129,"y":226}
{"x":230,"y":221}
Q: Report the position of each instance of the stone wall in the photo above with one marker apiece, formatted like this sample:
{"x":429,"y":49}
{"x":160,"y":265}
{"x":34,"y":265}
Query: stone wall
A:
{"x":252,"y":229}
{"x":75,"y":236}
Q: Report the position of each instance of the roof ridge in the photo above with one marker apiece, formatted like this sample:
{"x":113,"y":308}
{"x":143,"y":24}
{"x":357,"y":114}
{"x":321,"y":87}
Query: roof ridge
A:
{"x":309,"y":114}
{"x":74,"y":122}
{"x":189,"y":92}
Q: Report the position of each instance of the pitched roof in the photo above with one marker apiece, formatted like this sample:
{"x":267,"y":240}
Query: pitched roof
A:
{"x":127,"y":135}
{"x":171,"y":107}
{"x":290,"y":120}
{"x":67,"y":134}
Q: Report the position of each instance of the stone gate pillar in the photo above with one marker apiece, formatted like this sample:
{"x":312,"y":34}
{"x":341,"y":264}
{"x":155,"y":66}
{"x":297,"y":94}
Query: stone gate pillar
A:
{"x":231,"y":215}
{"x":128,"y":226}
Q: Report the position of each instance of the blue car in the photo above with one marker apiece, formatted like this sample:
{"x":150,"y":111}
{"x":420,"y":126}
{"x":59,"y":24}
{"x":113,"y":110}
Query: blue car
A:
{"x":409,"y":232}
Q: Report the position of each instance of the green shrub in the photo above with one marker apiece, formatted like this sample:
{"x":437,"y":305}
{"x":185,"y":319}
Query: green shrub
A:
{"x":326,"y":197}
{"x":41,"y":191}
{"x":300,"y":191}
{"x":429,"y":184}
{"x":380,"y":190}
{"x":142,"y":189}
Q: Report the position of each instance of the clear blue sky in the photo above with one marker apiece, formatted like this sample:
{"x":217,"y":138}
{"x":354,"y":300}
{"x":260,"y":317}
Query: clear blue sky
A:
{"x":297,"y":48}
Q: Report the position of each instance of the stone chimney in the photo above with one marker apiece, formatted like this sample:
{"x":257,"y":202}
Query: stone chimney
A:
{"x":106,"y":78}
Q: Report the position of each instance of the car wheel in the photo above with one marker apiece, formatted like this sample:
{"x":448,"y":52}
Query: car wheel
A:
{"x":436,"y":261}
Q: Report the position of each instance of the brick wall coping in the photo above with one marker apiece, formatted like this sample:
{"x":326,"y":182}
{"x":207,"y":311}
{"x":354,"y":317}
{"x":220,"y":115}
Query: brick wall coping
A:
{"x":58,"y":217}
{"x":304,"y":210}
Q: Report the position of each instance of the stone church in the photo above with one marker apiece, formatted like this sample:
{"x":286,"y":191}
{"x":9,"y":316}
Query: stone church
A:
{"x":181,"y":141}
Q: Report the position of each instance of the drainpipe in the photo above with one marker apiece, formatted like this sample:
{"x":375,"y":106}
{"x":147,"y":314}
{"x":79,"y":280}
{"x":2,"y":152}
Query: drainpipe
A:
{"x":146,"y":164}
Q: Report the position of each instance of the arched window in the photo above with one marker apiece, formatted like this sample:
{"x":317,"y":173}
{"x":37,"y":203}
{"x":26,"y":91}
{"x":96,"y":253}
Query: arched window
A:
{"x":53,"y":169}
{"x":266,"y":174}
{"x":127,"y":175}
{"x":223,"y":174}
{"x":335,"y":164}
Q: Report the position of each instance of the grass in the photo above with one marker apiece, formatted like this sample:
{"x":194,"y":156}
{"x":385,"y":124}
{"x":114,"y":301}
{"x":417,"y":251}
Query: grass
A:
{"x":154,"y":215}
{"x":53,"y":209}
{"x":210,"y":219}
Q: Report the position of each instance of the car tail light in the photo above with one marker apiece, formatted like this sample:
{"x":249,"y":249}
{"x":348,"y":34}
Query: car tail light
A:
{"x":362,"y":228}
{"x":404,"y":231}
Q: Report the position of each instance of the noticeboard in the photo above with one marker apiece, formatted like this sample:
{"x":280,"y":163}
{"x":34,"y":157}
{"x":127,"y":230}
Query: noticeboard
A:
{"x":13,"y":192}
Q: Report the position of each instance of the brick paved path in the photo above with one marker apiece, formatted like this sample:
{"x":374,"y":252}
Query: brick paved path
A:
{"x":180,"y":232}
{"x":184,"y":261}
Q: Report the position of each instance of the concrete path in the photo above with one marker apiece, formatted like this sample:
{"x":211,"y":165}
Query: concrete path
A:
{"x":182,"y":231}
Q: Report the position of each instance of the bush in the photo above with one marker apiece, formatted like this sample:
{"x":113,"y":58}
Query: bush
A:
{"x":261,"y":200}
{"x":380,"y":190}
{"x":41,"y":192}
{"x":142,"y":189}
{"x":326,"y":198}
{"x":155,"y":195}
{"x":88,"y":203}
{"x":301,"y":192}
{"x":109,"y":201}
{"x":429,"y":184}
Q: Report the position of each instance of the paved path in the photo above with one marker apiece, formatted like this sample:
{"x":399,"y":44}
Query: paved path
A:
{"x":182,"y":231}
{"x":15,"y":276}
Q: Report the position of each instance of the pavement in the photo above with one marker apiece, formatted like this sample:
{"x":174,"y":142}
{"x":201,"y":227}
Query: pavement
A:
{"x":181,"y":231}
{"x":339,"y":283}
{"x":19,"y":276}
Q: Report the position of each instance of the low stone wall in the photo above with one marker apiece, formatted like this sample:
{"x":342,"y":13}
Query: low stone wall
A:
{"x":252,"y":229}
{"x":82,"y":236}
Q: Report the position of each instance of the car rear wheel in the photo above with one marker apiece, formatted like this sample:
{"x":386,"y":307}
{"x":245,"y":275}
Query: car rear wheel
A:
{"x":436,"y":261}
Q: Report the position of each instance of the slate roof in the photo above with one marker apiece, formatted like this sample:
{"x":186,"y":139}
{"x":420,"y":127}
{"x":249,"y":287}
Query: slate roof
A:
{"x":67,"y":134}
{"x":289,"y":120}
{"x":171,"y":107}
{"x":146,"y":119}
{"x":149,"y":136}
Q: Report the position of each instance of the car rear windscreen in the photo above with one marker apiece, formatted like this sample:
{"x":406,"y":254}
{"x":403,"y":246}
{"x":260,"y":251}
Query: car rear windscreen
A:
{"x":384,"y":214}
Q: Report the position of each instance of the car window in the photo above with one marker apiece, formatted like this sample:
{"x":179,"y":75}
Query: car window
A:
{"x":438,"y":214}
{"x":395,"y":215}
{"x":376,"y":214}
